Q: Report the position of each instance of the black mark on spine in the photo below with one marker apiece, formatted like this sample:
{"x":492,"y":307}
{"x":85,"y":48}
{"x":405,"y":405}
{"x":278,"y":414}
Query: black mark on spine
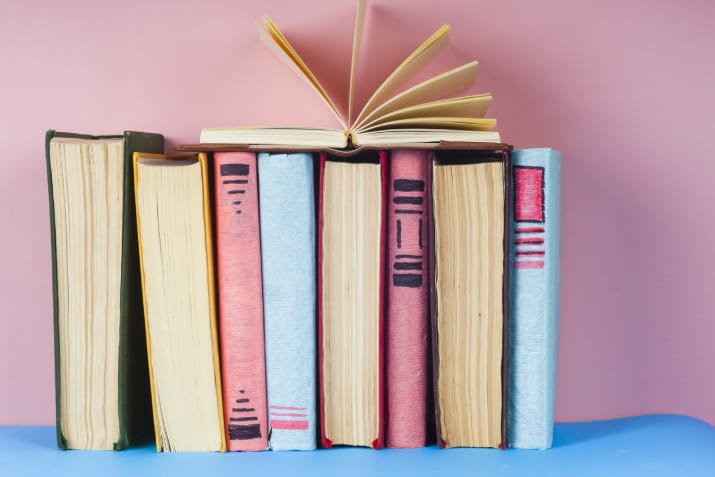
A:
{"x":408,"y":185}
{"x":234,"y":169}
{"x":408,"y":200}
{"x":237,"y":192}
{"x":403,"y":211}
{"x":408,"y":256}
{"x":399,"y":234}
{"x":243,"y":409}
{"x":408,"y":266}
{"x":242,"y":181}
{"x":242,"y":400}
{"x":409,"y":280}
{"x":243,"y":419}
{"x":242,"y":432}
{"x":420,"y":235}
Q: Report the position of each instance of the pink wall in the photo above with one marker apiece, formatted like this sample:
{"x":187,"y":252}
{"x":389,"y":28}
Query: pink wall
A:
{"x":624,"y":89}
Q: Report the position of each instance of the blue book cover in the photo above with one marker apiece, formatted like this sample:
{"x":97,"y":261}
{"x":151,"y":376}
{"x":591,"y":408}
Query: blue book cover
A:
{"x":287,"y":221}
{"x":534,"y":294}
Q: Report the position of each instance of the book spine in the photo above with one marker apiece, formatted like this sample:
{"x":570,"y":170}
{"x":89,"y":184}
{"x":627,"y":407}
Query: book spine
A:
{"x":287,"y":223}
{"x":379,"y":441}
{"x":134,"y":399}
{"x":238,"y":252}
{"x":407,"y":298}
{"x":534,"y":291}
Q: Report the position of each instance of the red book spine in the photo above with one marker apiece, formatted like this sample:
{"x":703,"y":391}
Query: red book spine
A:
{"x":379,"y":441}
{"x":407,"y":298}
{"x":240,"y":293}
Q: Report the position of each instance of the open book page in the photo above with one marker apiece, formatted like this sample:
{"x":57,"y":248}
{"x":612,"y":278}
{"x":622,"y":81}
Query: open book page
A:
{"x":440,"y":86}
{"x":413,"y":63}
{"x":422,"y":137}
{"x":470,"y":124}
{"x":464,"y":107}
{"x":263,"y":137}
{"x":277,"y":42}
{"x":357,"y":42}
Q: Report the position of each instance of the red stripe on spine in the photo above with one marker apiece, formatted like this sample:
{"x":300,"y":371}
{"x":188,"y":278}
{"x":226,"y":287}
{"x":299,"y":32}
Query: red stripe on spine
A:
{"x":529,"y":183}
{"x":290,"y":425}
{"x":529,"y":230}
{"x":528,"y":264}
{"x":288,"y":408}
{"x":288,"y":415}
{"x":529,"y":241}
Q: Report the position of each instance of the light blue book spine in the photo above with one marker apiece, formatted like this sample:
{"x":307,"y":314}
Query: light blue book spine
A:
{"x":287,"y":218}
{"x":534,"y":295}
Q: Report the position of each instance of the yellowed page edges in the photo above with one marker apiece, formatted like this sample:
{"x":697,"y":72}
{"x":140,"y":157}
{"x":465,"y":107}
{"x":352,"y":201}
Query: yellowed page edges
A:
{"x":203,"y":162}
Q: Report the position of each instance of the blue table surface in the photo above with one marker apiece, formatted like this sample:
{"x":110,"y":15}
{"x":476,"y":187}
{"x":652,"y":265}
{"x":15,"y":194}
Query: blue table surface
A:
{"x":653,"y":445}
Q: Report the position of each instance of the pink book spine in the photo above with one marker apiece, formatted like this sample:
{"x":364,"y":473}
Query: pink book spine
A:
{"x":407,"y":298}
{"x":240,"y":296}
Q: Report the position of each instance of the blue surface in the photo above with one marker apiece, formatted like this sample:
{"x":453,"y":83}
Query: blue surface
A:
{"x":658,"y":445}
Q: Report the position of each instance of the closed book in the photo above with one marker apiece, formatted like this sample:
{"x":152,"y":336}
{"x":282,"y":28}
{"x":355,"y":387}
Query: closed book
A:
{"x":101,"y":379}
{"x":407,"y":315}
{"x":176,"y":257}
{"x":469,"y":216}
{"x":534,"y":292}
{"x":287,"y":223}
{"x":351,"y":237}
{"x":238,"y":252}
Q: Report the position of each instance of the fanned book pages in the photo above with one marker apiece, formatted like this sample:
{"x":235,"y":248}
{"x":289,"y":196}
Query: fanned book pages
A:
{"x":102,"y":386}
{"x":240,"y":291}
{"x":287,"y":218}
{"x":469,"y":203}
{"x":174,"y":225}
{"x":393,"y":116}
{"x":407,"y":315}
{"x":350,"y":299}
{"x":534,"y":286}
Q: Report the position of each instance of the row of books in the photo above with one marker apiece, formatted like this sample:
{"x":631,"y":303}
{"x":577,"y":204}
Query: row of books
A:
{"x":280,"y":299}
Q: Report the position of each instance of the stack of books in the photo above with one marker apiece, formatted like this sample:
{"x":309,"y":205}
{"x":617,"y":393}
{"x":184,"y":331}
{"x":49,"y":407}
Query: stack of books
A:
{"x":391,"y":283}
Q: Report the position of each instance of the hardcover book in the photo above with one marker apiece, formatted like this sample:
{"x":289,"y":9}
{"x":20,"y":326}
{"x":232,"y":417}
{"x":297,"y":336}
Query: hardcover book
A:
{"x":101,"y":382}
{"x":535,"y":236}
{"x":176,"y":256}
{"x":240,"y":292}
{"x":390,"y":118}
{"x":407,"y":317}
{"x":351,"y":299}
{"x":287,"y":219}
{"x":470,"y":201}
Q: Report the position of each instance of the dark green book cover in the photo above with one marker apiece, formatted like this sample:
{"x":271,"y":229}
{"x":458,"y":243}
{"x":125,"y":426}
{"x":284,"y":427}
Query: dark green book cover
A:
{"x":135,"y":419}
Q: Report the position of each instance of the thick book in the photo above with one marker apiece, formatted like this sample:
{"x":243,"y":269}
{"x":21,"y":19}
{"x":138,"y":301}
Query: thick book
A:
{"x":240,"y":292}
{"x":470,"y":203}
{"x":287,"y":223}
{"x":351,"y":237}
{"x":534,"y":293}
{"x":407,"y":316}
{"x":101,"y":382}
{"x":176,"y":257}
{"x":394,"y":116}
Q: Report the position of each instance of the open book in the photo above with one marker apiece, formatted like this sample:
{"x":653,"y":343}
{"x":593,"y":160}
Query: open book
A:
{"x":416,"y":116}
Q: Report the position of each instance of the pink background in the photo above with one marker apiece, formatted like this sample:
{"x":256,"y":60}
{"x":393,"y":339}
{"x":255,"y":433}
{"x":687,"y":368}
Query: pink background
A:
{"x":624,"y":89}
